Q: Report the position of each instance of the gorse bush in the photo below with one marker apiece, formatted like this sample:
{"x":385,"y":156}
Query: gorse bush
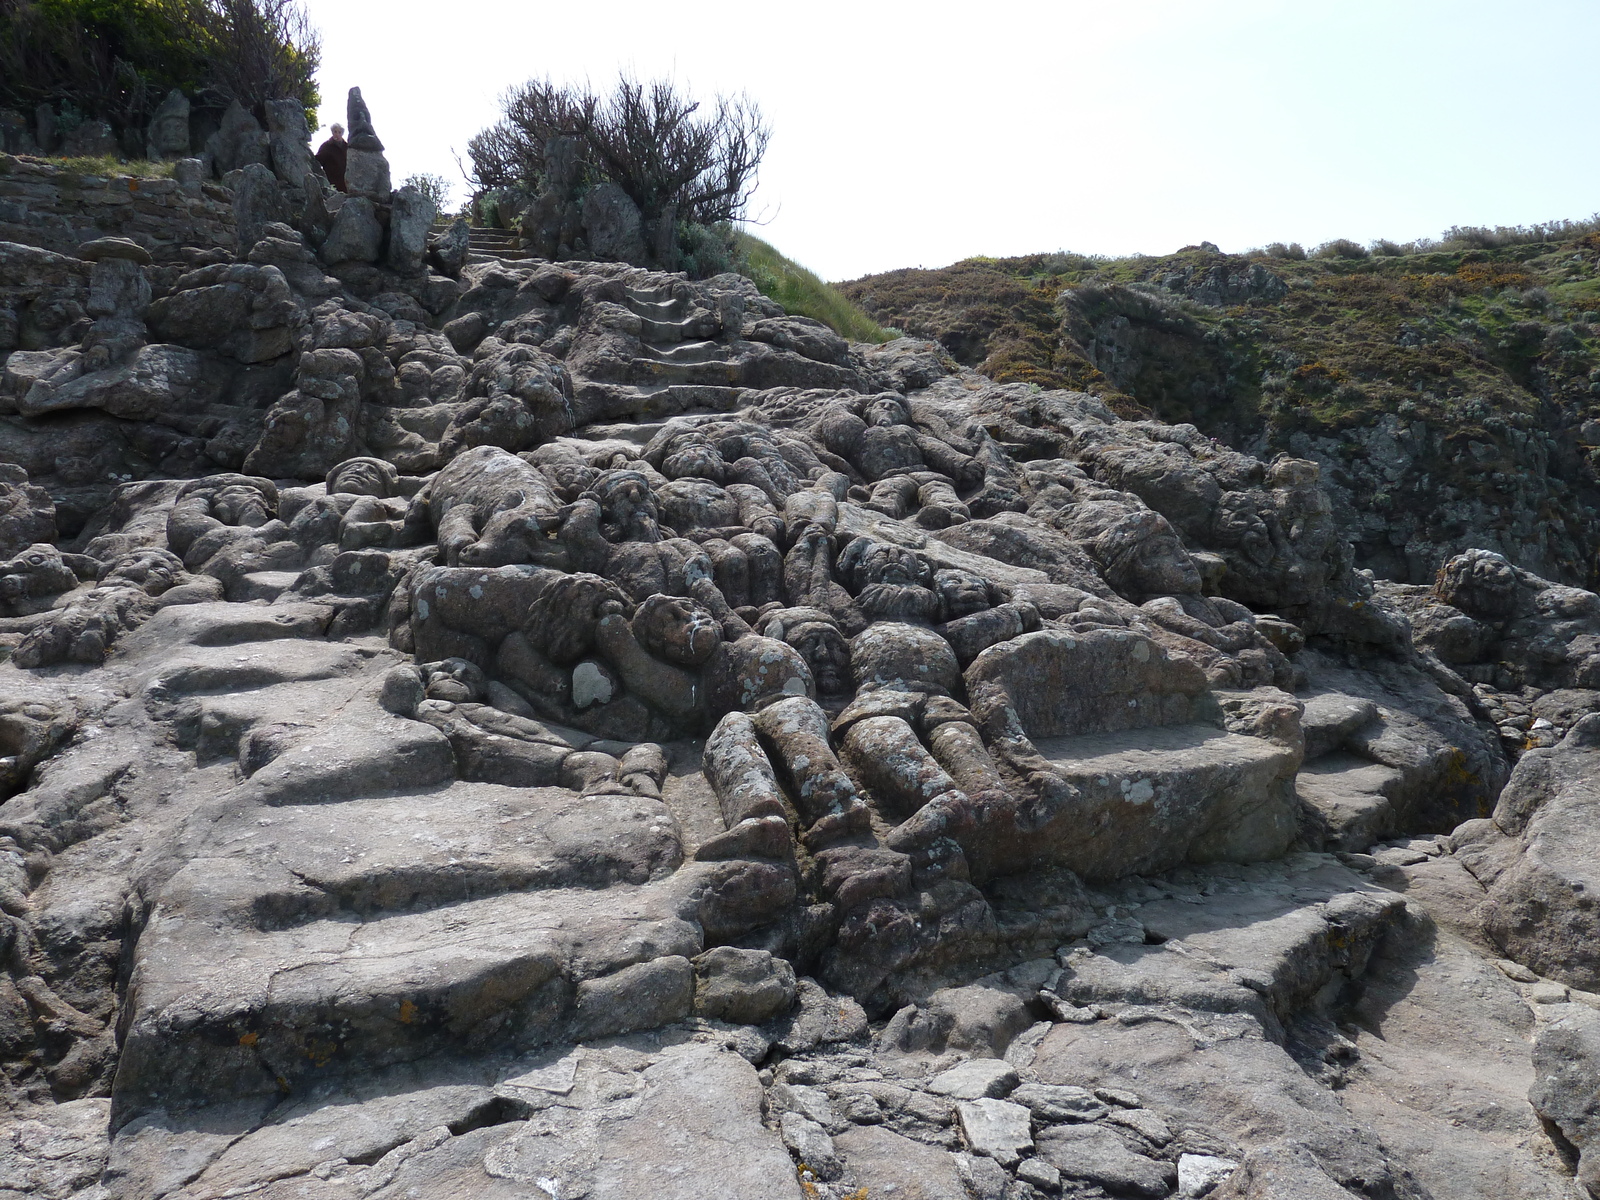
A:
{"x":116,"y":60}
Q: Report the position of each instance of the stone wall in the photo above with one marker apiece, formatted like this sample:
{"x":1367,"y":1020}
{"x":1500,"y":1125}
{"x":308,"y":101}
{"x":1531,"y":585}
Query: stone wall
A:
{"x":44,"y":205}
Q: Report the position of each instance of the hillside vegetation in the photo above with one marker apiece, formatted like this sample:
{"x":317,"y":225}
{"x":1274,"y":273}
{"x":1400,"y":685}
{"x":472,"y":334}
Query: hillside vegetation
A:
{"x":801,"y":292}
{"x":1450,"y":390}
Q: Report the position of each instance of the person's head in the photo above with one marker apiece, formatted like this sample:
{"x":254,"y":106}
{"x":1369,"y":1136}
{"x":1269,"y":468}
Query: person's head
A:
{"x":336,"y":130}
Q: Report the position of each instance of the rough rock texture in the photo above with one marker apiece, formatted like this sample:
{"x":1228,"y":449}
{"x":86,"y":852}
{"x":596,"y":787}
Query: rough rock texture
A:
{"x":567,"y":730}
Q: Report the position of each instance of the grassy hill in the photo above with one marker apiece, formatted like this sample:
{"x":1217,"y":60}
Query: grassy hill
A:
{"x":1450,"y":389}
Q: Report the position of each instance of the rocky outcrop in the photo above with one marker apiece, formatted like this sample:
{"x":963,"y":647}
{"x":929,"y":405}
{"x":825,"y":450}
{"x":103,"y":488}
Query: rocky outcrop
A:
{"x":567,"y":727}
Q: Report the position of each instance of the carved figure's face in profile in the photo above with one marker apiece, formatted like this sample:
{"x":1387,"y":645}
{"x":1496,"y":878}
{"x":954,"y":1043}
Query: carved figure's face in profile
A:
{"x":1143,"y":555}
{"x":676,"y":629}
{"x":826,"y":653}
{"x":961,"y":593}
{"x":361,"y":477}
{"x":239,"y":504}
{"x":37,"y":571}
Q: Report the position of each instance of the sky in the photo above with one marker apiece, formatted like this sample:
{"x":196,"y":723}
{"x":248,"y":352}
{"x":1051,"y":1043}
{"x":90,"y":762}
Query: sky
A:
{"x":908,"y":135}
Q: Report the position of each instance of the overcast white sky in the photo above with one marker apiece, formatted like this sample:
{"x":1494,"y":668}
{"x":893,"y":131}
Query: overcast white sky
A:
{"x":919,"y":134}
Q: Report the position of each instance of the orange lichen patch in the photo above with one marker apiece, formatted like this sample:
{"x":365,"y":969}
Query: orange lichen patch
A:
{"x":321,"y":1053}
{"x":408,"y":1012}
{"x":249,"y":1039}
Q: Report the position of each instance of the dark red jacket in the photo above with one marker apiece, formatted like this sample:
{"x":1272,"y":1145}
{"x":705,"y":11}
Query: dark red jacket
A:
{"x":331,"y":154}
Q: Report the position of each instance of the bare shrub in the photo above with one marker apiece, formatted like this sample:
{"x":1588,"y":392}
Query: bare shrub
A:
{"x":650,"y":139}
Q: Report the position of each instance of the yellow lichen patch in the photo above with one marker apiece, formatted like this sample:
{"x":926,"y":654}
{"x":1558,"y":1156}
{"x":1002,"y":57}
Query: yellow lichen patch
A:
{"x":408,"y":1012}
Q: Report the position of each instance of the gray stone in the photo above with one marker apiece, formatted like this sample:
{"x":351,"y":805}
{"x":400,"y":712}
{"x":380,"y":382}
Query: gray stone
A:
{"x":410,"y":215}
{"x":975,"y":1079}
{"x":239,"y":142}
{"x":1198,"y":1174}
{"x":289,"y":139}
{"x":889,"y":1164}
{"x":746,"y":987}
{"x":1566,"y":1086}
{"x":810,"y":1145}
{"x":1093,"y":1154}
{"x":256,"y":203}
{"x":997,"y":1129}
{"x":642,"y":996}
{"x":612,"y":223}
{"x":356,"y":236}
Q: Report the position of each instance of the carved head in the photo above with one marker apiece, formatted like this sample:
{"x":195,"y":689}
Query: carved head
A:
{"x":153,"y":570}
{"x":890,"y":582}
{"x":364,"y":477}
{"x":561,"y":622}
{"x":886,"y":410}
{"x":241,"y":504}
{"x":962,"y":593}
{"x":1139,"y":552}
{"x":37,"y":571}
{"x":676,"y":629}
{"x":817,"y":637}
{"x":454,"y":679}
{"x":628,"y":506}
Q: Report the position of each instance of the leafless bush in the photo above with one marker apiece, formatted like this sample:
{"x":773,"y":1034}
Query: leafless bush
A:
{"x":260,"y":50}
{"x":650,"y":139}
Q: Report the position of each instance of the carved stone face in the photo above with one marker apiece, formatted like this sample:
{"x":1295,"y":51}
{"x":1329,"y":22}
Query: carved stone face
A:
{"x":629,"y":508}
{"x":153,"y":570}
{"x":676,"y":629}
{"x":561,"y":623}
{"x":362,"y":477}
{"x":454,"y":679}
{"x":239,"y":504}
{"x":882,"y":563}
{"x":961,"y":593}
{"x":826,"y":652}
{"x":886,"y":411}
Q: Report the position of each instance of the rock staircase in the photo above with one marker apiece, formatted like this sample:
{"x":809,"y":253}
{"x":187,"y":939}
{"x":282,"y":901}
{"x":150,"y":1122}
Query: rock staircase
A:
{"x":352,"y":903}
{"x":490,"y":243}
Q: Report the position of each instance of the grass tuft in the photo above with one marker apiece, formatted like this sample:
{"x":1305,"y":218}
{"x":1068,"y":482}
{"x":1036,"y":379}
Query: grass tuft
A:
{"x":802,"y":293}
{"x":110,"y":165}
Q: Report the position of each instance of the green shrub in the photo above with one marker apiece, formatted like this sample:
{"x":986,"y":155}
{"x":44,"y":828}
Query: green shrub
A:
{"x":116,"y":60}
{"x":1340,"y":248}
{"x":801,"y":292}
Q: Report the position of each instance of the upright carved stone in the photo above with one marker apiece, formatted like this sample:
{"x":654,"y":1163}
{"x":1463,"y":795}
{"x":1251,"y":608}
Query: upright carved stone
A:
{"x":366,"y":169}
{"x":168,"y":135}
{"x":290,"y":141}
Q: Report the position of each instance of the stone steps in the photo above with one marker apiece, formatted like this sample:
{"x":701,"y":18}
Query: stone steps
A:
{"x":352,"y":904}
{"x":1153,"y":797}
{"x":1347,"y":800}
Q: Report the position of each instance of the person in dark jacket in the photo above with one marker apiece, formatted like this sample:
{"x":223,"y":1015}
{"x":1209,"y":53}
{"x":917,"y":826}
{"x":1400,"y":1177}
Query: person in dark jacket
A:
{"x":331,"y":154}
